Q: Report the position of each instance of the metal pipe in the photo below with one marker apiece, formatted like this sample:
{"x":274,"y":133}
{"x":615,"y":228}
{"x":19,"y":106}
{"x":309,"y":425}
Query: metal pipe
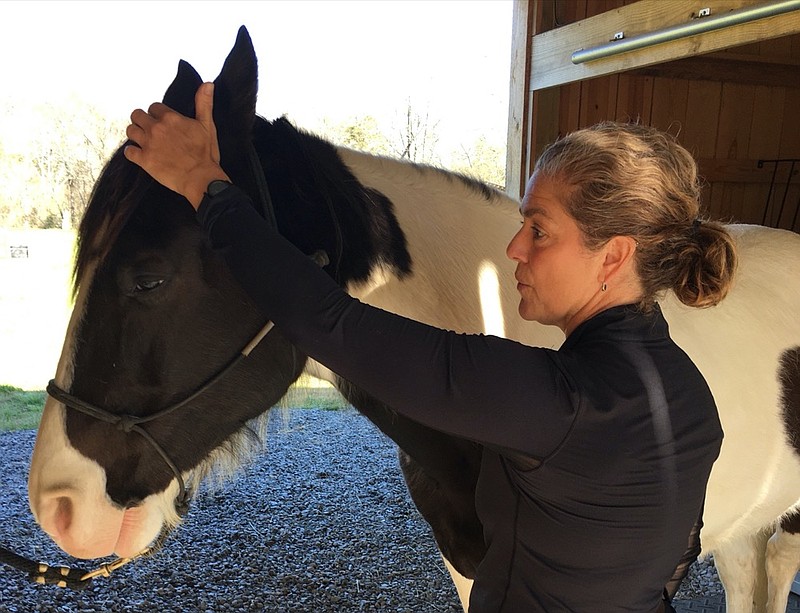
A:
{"x":696,"y":26}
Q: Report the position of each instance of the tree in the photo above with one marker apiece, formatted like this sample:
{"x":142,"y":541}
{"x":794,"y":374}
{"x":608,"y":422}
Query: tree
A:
{"x":56,"y":165}
{"x":361,"y":133}
{"x":413,"y":136}
{"x":417,"y":137}
{"x":483,"y":161}
{"x":13,"y":176}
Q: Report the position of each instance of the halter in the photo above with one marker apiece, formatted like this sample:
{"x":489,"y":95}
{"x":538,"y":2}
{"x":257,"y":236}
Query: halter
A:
{"x":130,"y":423}
{"x":78,"y":579}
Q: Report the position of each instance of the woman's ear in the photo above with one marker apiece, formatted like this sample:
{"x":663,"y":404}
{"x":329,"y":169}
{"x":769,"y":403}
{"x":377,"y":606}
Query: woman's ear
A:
{"x":619,"y":257}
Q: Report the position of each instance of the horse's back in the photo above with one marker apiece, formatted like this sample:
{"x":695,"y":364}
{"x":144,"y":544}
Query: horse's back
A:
{"x":738,"y":346}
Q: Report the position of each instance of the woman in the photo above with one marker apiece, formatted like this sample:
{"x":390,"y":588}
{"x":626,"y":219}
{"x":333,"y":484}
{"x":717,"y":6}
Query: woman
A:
{"x":596,"y":455}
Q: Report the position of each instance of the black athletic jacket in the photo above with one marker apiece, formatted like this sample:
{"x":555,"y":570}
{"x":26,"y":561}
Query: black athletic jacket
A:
{"x":597,"y":455}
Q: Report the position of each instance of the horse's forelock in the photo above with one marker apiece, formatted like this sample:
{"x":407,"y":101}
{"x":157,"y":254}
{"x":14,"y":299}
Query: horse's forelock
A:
{"x":117,"y":193}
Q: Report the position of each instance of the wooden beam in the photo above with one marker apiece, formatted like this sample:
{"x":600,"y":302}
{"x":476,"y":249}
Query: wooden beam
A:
{"x":552,"y":50}
{"x":727,"y":68}
{"x":519,"y":99}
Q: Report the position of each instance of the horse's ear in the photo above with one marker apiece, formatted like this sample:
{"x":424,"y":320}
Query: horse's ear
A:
{"x":236,"y":87}
{"x":180,"y":94}
{"x":235,"y":91}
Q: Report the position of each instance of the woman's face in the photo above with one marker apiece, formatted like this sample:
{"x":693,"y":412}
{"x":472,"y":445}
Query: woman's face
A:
{"x":558,"y":278}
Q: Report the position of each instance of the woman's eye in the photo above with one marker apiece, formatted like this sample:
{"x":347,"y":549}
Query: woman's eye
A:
{"x":147,"y":285}
{"x":537,"y":233}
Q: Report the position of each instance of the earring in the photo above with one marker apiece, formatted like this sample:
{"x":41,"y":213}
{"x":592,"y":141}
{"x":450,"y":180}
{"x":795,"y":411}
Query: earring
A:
{"x":603,"y":287}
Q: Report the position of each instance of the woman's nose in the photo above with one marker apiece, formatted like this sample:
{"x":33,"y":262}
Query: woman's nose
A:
{"x":515,"y":250}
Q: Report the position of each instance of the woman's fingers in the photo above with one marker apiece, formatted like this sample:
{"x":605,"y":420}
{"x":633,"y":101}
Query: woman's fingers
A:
{"x":135,"y":133}
{"x":133,"y":154}
{"x":140,"y":118}
{"x":179,"y":152}
{"x":204,"y":112}
{"x":158,"y":110}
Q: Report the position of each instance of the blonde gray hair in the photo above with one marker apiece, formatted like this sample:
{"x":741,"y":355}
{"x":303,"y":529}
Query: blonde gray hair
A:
{"x":633,"y":180}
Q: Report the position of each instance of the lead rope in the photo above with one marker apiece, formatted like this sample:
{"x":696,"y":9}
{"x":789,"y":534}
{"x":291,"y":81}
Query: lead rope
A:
{"x":42,"y":573}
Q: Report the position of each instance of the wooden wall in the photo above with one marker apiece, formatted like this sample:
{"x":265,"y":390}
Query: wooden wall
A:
{"x":730,"y":108}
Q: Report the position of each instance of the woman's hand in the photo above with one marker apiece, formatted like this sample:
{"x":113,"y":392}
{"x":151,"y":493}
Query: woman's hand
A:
{"x":179,"y":152}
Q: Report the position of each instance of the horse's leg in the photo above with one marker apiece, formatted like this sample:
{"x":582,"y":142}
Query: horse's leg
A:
{"x":783,"y":562}
{"x":447,"y":502}
{"x":463,"y":585}
{"x":445,"y":496}
{"x":783,"y":549}
{"x":740,"y":564}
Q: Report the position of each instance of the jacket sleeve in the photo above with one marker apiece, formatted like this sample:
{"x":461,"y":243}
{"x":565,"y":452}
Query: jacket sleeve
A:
{"x":491,"y":390}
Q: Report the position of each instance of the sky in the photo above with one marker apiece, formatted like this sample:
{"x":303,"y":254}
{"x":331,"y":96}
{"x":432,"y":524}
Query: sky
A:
{"x":330,"y":58}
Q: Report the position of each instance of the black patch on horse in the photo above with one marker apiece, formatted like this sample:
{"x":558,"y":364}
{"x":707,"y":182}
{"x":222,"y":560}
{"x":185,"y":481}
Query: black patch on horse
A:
{"x":789,"y":377}
{"x":320,"y":204}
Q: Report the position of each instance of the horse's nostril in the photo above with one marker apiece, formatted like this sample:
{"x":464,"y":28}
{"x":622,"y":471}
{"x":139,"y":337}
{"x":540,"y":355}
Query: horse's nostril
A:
{"x":63,"y":515}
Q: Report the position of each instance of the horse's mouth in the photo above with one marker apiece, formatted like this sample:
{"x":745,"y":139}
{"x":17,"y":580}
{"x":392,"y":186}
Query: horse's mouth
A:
{"x":141,"y":520}
{"x":105,"y":570}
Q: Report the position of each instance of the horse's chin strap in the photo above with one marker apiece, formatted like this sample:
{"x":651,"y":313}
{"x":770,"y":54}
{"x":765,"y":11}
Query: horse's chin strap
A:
{"x":131,"y":423}
{"x":78,"y":579}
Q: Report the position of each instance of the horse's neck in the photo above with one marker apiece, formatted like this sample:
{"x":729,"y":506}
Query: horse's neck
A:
{"x":461,"y":278}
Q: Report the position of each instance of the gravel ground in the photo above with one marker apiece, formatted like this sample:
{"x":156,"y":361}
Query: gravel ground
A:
{"x":320,"y":521}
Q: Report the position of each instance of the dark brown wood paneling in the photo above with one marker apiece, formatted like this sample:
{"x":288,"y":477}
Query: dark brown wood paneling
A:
{"x":670,"y":100}
{"x":735,"y":119}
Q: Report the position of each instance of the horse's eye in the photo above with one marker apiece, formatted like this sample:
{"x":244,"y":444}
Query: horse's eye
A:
{"x":147,"y":285}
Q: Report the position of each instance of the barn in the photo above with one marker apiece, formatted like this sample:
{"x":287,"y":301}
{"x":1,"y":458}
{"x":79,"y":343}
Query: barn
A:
{"x":723,"y":75}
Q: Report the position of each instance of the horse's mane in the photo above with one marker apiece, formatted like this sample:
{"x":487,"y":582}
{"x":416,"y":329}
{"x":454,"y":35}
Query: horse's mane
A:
{"x":488,"y":191}
{"x":304,"y":168}
{"x":118,"y":191}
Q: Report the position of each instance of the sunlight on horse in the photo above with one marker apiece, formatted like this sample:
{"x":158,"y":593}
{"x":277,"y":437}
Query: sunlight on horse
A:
{"x":491,"y":307}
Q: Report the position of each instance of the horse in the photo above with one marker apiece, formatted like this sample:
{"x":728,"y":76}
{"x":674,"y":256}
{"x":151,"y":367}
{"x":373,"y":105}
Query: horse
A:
{"x":152,"y":393}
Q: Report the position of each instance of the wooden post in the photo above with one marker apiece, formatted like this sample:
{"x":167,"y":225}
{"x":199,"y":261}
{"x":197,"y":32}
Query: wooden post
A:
{"x":518,"y":99}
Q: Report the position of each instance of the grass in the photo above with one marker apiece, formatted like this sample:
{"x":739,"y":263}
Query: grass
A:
{"x":20,"y":409}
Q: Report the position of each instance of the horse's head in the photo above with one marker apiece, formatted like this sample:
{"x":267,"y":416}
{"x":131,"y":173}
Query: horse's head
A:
{"x":157,"y":315}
